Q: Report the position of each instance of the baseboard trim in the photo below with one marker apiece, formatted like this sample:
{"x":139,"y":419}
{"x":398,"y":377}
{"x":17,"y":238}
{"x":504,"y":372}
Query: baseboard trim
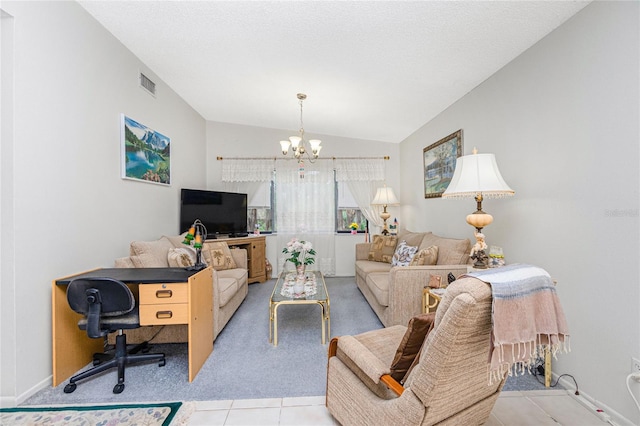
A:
{"x":33,"y":390}
{"x":592,"y":404}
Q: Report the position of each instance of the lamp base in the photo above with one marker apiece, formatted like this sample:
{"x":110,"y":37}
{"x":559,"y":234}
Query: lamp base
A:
{"x":198,"y":267}
{"x":481,"y":260}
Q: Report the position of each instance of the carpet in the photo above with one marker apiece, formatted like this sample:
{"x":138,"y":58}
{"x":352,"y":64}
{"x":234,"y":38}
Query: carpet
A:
{"x":244,"y":365}
{"x":161,"y":414}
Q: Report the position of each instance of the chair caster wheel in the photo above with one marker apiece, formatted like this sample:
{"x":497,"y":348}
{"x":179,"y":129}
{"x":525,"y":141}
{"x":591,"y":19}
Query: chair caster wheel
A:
{"x":70,"y":388}
{"x":96,"y":362}
{"x":118,"y":388}
{"x":162,"y":363}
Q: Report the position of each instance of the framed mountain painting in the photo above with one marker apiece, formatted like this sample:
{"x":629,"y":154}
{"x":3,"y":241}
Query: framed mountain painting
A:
{"x":146,"y":153}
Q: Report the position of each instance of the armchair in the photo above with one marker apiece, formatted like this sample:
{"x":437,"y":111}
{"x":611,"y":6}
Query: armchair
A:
{"x":450,"y":383}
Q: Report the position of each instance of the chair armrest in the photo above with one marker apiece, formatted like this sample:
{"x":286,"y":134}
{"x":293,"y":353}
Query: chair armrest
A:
{"x":366,"y":361}
{"x":363,"y":358}
{"x":405,"y":288}
{"x":362,"y":251}
{"x":240,"y":257}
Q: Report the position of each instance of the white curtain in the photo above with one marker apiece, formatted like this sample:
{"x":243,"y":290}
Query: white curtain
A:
{"x":246,"y":176}
{"x":363,"y":177}
{"x":305,"y":209}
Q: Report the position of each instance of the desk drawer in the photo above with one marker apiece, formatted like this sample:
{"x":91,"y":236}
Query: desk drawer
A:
{"x":153,"y":294}
{"x":164,"y":314}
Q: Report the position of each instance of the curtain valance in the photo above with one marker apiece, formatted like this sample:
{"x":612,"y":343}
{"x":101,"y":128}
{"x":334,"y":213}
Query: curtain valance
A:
{"x":241,"y":170}
{"x":359,"y":170}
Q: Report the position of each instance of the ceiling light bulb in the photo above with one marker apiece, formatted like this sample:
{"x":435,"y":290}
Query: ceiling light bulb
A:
{"x":295,"y":141}
{"x":285,"y":147}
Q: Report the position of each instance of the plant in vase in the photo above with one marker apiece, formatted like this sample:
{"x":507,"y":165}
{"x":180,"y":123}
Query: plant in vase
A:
{"x":300,"y":254}
{"x":354,"y":228}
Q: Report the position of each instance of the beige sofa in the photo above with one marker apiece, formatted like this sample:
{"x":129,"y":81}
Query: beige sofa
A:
{"x":395,"y":292}
{"x":230,"y":285}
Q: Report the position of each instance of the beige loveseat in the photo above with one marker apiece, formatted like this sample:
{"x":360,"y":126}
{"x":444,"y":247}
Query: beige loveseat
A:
{"x":395,"y":292}
{"x":230,"y":285}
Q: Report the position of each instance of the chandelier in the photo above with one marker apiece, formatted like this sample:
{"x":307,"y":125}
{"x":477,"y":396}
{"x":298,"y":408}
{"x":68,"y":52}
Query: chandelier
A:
{"x":298,"y":144}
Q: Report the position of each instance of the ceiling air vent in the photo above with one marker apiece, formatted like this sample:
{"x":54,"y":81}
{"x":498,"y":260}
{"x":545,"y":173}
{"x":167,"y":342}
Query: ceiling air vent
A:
{"x":147,"y":84}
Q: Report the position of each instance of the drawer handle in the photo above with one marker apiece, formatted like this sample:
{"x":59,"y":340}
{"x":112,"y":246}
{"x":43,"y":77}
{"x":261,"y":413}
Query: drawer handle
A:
{"x":164,"y":294}
{"x":164,"y":314}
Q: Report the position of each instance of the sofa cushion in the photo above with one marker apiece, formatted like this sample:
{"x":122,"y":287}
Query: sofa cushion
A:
{"x":426,"y":256}
{"x":176,"y":240}
{"x":412,"y":238}
{"x":383,"y":247}
{"x":417,"y":330}
{"x":228,"y":288}
{"x":148,"y":260}
{"x":451,"y":251}
{"x":124,"y":262}
{"x":181,"y":257}
{"x":378,"y":283}
{"x":218,"y":255}
{"x":158,"y":248}
{"x":404,"y":254}
{"x":239,"y":274}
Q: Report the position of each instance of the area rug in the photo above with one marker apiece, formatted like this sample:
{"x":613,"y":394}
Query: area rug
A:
{"x":161,"y":414}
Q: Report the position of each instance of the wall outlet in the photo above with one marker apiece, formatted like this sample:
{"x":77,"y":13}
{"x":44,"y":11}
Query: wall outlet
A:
{"x":635,"y":366}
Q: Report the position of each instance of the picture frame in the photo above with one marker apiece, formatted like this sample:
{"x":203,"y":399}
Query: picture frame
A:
{"x":439,"y":162}
{"x":146,"y":153}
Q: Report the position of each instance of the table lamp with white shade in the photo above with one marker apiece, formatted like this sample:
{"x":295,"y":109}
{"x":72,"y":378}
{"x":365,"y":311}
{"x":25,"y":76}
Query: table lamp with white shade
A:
{"x":477,"y":176}
{"x":385,"y":197}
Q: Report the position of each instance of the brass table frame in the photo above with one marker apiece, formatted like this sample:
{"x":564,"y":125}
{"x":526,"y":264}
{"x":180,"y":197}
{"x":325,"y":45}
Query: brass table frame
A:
{"x":316,"y":299}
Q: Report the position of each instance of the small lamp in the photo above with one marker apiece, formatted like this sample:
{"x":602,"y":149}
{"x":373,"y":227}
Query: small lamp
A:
{"x":385,"y":197}
{"x":195,"y":237}
{"x":477,"y":176}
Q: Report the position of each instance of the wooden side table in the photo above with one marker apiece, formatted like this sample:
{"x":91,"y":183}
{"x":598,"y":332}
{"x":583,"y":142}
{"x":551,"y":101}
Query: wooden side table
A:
{"x":431,"y":298}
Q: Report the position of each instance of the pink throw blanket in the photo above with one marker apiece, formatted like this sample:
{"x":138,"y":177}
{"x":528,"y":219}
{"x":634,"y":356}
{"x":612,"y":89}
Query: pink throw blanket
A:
{"x":527,"y":318}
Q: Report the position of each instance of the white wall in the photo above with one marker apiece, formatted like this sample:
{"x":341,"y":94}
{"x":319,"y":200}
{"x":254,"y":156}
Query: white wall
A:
{"x":233,"y":140}
{"x":563,"y":122}
{"x":63,"y":198}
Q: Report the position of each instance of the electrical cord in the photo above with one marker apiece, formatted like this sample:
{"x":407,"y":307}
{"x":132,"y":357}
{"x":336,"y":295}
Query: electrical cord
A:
{"x":553,"y":385}
{"x":636,"y":377}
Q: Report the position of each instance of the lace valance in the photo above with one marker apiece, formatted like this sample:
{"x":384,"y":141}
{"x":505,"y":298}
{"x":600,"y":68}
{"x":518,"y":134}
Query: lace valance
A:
{"x":242,"y":170}
{"x":359,"y":169}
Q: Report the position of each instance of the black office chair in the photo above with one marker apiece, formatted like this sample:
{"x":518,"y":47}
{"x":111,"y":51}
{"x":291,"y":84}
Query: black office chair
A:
{"x":108,"y":306}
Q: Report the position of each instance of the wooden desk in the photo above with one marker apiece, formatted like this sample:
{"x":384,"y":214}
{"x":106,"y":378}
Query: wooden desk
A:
{"x":193,"y":302}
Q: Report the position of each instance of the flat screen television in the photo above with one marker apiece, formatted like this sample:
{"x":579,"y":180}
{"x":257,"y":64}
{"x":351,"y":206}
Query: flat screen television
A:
{"x":220,"y":212}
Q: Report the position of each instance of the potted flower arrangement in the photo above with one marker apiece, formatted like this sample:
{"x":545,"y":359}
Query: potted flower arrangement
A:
{"x":354,"y":228}
{"x":300,"y":254}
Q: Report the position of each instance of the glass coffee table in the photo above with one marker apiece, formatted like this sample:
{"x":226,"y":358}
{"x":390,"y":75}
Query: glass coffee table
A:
{"x":313,"y":292}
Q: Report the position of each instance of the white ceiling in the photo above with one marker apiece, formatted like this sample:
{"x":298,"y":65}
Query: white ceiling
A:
{"x":375,"y":70}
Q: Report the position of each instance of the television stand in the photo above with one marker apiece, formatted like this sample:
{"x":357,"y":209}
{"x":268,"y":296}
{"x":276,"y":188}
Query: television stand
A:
{"x":256,"y":248}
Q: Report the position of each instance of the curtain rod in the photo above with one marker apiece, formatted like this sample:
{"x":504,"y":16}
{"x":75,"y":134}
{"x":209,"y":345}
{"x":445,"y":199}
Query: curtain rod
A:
{"x":386,"y":157}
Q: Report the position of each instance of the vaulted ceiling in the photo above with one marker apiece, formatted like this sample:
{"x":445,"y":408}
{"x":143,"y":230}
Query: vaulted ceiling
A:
{"x":375,"y":70}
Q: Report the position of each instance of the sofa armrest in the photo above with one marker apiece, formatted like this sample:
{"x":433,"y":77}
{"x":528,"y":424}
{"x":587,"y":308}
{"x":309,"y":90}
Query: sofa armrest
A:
{"x":240,"y":257}
{"x":406,"y":284}
{"x":362,"y":251}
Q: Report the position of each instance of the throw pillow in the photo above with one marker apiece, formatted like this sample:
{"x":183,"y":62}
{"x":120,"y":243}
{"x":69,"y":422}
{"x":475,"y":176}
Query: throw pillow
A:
{"x":417,"y":330}
{"x":148,"y":260}
{"x":404,"y":254}
{"x":426,"y":256}
{"x":158,"y":248}
{"x":218,"y":255}
{"x":181,"y":258}
{"x":382,"y":248}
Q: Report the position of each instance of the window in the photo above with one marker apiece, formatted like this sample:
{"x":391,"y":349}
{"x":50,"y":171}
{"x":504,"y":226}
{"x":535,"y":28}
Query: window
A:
{"x":259,"y":209}
{"x":347,"y":210}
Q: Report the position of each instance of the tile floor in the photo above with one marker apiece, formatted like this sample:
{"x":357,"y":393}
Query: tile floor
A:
{"x":550,"y":407}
